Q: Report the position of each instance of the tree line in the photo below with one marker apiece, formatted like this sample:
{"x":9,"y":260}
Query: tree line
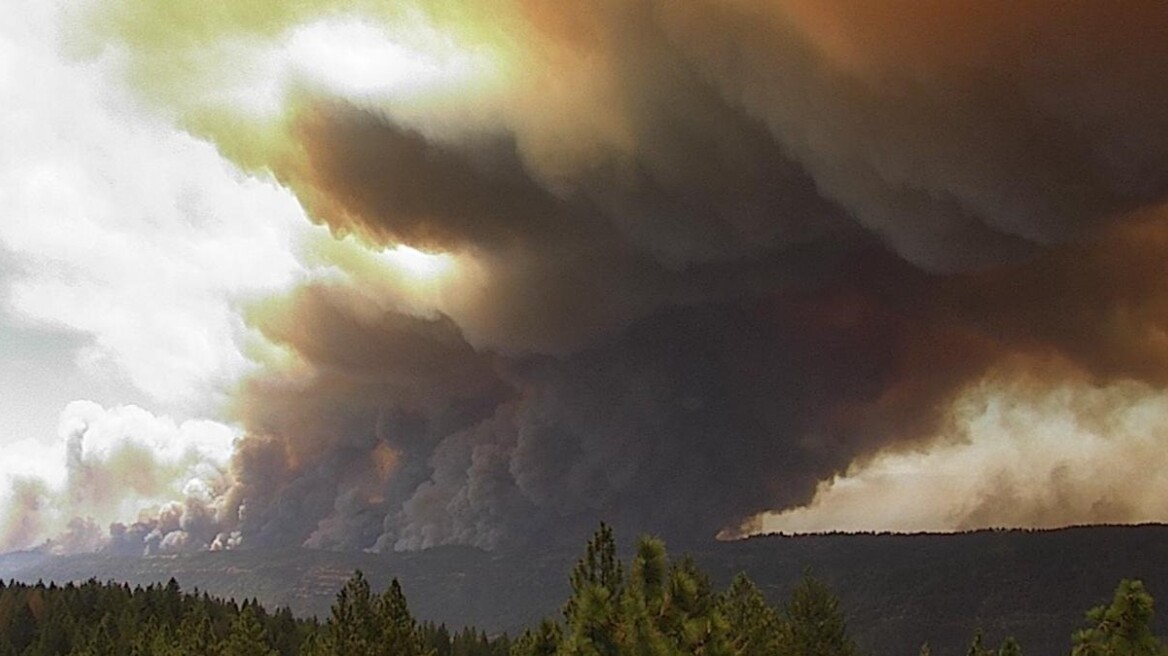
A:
{"x":651,"y":606}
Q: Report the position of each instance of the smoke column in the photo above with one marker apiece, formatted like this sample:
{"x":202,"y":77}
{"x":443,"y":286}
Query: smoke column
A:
{"x":674,"y":265}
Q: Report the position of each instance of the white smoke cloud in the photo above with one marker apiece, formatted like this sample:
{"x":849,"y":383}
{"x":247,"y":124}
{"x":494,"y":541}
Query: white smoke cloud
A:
{"x":116,"y":465}
{"x":1066,"y":455}
{"x":122,"y":228}
{"x":142,"y":244}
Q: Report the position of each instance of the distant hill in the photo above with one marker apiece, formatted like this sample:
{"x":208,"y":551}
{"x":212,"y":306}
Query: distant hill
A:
{"x":898,"y":590}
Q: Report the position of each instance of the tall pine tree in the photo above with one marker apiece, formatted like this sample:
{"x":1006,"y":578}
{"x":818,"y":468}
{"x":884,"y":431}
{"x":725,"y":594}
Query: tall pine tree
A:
{"x":814,"y":625}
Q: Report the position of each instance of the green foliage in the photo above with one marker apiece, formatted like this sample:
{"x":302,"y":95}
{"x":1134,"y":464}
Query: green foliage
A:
{"x":247,"y":637}
{"x":754,"y":627}
{"x":661,"y":608}
{"x":693,"y":618}
{"x":1010,"y":647}
{"x":598,"y":573}
{"x":196,"y":634}
{"x":592,"y":614}
{"x":543,"y":641}
{"x":1124,"y":627}
{"x":671,"y":609}
{"x":363,"y":625}
{"x":397,"y":628}
{"x":99,"y":619}
{"x":352,"y":625}
{"x":645,"y":602}
{"x":813,"y":622}
{"x":977,"y":646}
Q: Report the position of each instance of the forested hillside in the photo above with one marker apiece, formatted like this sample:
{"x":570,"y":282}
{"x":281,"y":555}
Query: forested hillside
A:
{"x":896,"y":591}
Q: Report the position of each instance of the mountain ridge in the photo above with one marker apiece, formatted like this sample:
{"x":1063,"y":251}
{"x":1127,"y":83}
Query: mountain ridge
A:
{"x":898,"y":590}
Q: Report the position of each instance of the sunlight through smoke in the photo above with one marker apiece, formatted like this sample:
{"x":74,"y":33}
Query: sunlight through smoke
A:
{"x":419,"y":266}
{"x":354,"y":59}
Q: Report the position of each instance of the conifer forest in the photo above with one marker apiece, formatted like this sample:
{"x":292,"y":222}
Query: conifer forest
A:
{"x":650,"y":605}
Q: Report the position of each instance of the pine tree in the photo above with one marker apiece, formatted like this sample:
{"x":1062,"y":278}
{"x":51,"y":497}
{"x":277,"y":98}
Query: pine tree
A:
{"x":168,"y":603}
{"x":813,"y":622}
{"x":435,"y":637}
{"x":398,"y":633}
{"x":247,"y":637}
{"x":977,"y":646}
{"x":314,"y":645}
{"x":99,"y":642}
{"x":599,"y":567}
{"x":754,"y":627}
{"x":693,"y":618}
{"x":543,"y":641}
{"x":592,"y":613}
{"x":195,"y":634}
{"x":594,"y":629}
{"x":56,"y":628}
{"x":22,"y":628}
{"x":1010,"y":647}
{"x":1124,"y":627}
{"x":644,"y":601}
{"x":352,"y":625}
{"x":284,"y":632}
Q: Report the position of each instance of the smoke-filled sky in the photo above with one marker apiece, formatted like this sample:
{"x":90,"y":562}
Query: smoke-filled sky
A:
{"x":391,"y":275}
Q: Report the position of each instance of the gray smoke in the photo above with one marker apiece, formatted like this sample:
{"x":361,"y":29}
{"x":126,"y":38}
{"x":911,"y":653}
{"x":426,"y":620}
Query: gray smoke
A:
{"x":727,"y":250}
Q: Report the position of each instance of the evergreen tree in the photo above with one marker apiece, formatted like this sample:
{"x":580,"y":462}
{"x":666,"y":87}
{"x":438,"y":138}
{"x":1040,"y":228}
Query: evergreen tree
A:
{"x":1010,"y":647}
{"x":1124,"y":627}
{"x":22,"y":628}
{"x":977,"y":646}
{"x":598,"y":568}
{"x":398,"y":633}
{"x":543,"y":641}
{"x":283,"y":632}
{"x":592,"y":613}
{"x":813,"y":622}
{"x":195,"y":634}
{"x":693,"y":618}
{"x":754,"y":627}
{"x":99,"y":642}
{"x":168,"y":603}
{"x":247,"y":637}
{"x":435,"y":638}
{"x":644,"y":601}
{"x":595,"y":625}
{"x":500,"y":645}
{"x":314,"y":645}
{"x":57,"y":627}
{"x":352,"y":626}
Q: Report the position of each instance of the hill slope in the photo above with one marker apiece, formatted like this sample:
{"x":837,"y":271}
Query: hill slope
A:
{"x":898,"y":590}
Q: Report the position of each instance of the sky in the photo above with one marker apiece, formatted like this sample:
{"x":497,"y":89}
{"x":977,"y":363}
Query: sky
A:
{"x":387,"y":276}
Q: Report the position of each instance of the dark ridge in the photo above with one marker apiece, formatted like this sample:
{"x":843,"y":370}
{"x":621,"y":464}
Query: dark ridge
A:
{"x":899,"y":590}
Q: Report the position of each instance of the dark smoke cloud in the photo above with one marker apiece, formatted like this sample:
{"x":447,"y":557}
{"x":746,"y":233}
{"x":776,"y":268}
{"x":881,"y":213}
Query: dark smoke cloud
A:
{"x":725,"y":250}
{"x":670,"y":426}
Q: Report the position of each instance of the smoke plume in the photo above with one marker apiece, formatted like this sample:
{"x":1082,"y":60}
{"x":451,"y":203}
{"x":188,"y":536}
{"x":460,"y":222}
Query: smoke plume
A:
{"x":121,"y":460}
{"x":702,"y":257}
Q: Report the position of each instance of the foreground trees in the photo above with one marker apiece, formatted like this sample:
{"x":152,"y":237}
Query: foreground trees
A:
{"x":1123,"y":627}
{"x":653,"y":606}
{"x":664,"y":608}
{"x":107,"y":619}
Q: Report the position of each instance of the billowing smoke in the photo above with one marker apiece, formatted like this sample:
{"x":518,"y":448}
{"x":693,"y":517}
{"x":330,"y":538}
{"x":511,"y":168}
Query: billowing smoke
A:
{"x":118,"y":462}
{"x":701,"y":256}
